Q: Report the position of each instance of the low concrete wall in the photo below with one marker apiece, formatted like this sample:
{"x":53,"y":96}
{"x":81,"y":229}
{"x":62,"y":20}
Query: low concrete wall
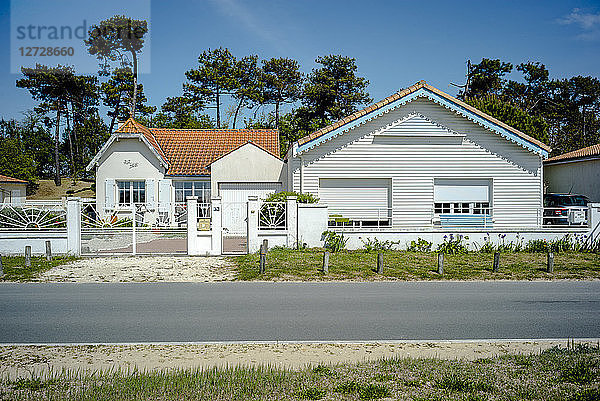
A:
{"x":14,"y":242}
{"x":312,"y":221}
{"x":276,"y":238}
{"x":476,"y":238}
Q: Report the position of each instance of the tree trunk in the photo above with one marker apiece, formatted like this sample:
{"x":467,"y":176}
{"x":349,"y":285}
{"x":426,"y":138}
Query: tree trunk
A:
{"x":76,"y":121}
{"x":237,"y":110}
{"x":134,"y":98}
{"x":114,"y":117}
{"x":56,"y":143}
{"x":68,"y":131}
{"x":277,"y":115}
{"x":218,"y":108}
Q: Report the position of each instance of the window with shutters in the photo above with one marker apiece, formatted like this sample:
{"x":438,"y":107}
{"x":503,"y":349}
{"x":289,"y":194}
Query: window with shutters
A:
{"x":131,"y":192}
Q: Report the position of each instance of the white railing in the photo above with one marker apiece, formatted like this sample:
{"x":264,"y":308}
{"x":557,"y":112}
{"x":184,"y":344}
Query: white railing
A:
{"x":484,"y":217}
{"x":356,"y":218}
{"x":33,"y":216}
{"x":272,"y":216}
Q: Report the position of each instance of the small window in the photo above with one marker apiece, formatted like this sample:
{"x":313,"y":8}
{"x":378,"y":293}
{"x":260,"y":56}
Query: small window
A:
{"x":481,"y":208}
{"x":442,"y":208}
{"x":131,"y":191}
{"x":185,"y":189}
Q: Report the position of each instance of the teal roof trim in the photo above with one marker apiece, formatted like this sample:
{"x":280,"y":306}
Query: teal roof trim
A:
{"x":424,"y":92}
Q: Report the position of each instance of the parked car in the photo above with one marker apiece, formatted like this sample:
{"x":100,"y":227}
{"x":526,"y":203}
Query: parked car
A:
{"x":565,"y":209}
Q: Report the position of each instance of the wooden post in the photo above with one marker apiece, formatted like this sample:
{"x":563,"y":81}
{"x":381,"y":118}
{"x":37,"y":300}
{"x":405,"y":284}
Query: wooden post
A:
{"x":550,"y":267}
{"x":28,"y":256}
{"x":326,"y":262}
{"x":496,"y":262}
{"x":263,"y":256}
{"x":440,"y":263}
{"x":380,"y":263}
{"x":48,"y":250}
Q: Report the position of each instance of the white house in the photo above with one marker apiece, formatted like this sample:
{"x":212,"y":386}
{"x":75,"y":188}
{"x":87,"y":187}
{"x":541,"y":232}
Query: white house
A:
{"x":576,"y":172}
{"x":421,"y":159}
{"x":12,"y":190}
{"x":160,"y":168}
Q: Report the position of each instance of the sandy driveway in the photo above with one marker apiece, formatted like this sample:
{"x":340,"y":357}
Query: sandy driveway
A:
{"x":142,"y":269}
{"x":21,"y":360}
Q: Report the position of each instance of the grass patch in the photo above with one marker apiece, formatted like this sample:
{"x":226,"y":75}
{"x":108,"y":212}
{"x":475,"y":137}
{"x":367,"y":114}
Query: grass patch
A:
{"x":503,"y":378}
{"x":457,"y":382}
{"x":305,"y":265}
{"x":15,"y":269}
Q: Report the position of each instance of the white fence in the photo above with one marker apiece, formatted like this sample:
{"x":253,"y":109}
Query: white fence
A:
{"x":457,"y":217}
{"x":193,"y":228}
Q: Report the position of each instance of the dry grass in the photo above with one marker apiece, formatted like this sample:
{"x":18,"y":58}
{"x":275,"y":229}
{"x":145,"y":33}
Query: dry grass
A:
{"x":48,"y":191}
{"x":557,"y":374}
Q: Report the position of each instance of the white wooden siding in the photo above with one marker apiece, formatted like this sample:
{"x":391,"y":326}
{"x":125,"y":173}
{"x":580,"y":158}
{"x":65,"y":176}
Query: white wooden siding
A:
{"x":412,"y":166}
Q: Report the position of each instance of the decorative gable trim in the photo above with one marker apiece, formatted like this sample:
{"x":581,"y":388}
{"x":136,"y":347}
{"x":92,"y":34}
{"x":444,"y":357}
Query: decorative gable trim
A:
{"x":422,"y":92}
{"x":116,"y":137}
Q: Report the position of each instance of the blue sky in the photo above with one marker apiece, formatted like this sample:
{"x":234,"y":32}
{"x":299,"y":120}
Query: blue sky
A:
{"x":396,"y":43}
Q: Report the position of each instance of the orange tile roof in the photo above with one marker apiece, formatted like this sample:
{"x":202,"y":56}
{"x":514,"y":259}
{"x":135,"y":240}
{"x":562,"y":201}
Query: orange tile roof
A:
{"x":5,"y":178}
{"x":191,"y":151}
{"x":408,"y":91}
{"x":590,"y":151}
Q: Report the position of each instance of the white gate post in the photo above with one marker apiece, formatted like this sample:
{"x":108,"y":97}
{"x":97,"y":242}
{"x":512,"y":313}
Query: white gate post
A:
{"x":252,"y":231}
{"x":192,"y":225}
{"x":594,"y":220}
{"x":133,"y":236}
{"x":292,"y":221}
{"x":217,"y":225}
{"x":74,"y":226}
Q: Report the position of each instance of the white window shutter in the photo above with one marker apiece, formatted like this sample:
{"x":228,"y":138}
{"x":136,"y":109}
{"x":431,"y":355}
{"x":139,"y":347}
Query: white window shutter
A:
{"x":164,"y":195}
{"x":109,"y":194}
{"x":150,"y":193}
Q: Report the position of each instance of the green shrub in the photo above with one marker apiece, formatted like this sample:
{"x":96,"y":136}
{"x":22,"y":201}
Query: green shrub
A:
{"x":300,"y":198}
{"x":454,"y":382}
{"x":312,"y":393}
{"x":420,"y":245}
{"x":454,"y":245}
{"x":36,"y":384}
{"x":590,"y":394}
{"x":350,"y":387}
{"x":333,"y":241}
{"x":373,"y":392}
{"x":375,"y":245}
{"x":581,"y":372}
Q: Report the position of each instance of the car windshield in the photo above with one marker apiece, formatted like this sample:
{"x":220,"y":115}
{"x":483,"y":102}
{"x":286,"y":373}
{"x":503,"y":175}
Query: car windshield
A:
{"x":572,"y":201}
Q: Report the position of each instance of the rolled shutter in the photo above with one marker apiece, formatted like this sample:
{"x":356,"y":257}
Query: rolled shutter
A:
{"x":150,"y":193}
{"x":164,"y":195}
{"x":467,"y":190}
{"x":356,"y":198}
{"x":109,"y":194}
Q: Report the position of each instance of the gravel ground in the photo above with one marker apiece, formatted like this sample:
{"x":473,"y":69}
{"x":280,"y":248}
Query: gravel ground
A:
{"x":23,"y":360}
{"x":142,"y":269}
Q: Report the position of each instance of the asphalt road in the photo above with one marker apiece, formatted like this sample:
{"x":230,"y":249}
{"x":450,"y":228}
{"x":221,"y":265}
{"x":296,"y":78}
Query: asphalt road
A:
{"x":65,"y":313}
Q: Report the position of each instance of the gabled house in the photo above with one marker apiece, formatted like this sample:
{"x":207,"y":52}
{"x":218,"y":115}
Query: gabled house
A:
{"x":160,"y":168}
{"x":576,"y":172}
{"x":421,"y":159}
{"x":12,"y":190}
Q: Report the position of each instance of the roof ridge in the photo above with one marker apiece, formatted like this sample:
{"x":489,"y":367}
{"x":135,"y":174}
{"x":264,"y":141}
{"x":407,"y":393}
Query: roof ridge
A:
{"x":407,"y":91}
{"x":592,"y":150}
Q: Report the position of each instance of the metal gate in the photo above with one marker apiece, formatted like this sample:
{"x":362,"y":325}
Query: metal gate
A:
{"x":133,"y":229}
{"x":235,"y":227}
